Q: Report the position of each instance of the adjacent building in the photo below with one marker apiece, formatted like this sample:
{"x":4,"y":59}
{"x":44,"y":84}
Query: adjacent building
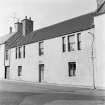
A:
{"x":3,"y":54}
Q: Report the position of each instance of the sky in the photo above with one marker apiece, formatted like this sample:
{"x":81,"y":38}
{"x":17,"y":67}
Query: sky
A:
{"x":42,"y":12}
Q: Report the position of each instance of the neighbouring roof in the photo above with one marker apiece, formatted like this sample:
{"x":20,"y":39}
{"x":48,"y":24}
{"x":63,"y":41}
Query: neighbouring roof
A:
{"x":4,"y":38}
{"x":77,"y":24}
{"x":101,"y":7}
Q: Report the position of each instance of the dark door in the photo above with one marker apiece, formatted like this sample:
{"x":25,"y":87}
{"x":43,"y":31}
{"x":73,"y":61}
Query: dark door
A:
{"x":6,"y":72}
{"x":41,"y":72}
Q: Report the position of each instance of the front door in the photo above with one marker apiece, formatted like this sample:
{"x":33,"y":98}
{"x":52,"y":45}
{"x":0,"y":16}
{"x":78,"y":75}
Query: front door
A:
{"x":41,"y":72}
{"x":7,"y":72}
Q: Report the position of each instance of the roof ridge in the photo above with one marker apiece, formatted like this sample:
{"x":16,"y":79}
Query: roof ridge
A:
{"x":63,"y":21}
{"x":98,"y":9}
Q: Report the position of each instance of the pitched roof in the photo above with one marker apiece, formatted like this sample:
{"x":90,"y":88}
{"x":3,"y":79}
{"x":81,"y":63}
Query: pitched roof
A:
{"x":4,"y":38}
{"x":101,"y":8}
{"x":66,"y":27}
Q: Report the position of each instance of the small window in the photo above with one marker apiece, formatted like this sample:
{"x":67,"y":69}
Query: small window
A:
{"x":19,"y":52}
{"x":6,"y":55}
{"x":63,"y":44}
{"x":23,"y":51}
{"x":79,"y":41}
{"x":72,"y":68}
{"x":19,"y":70}
{"x":16,"y":53}
{"x":41,"y":48}
{"x":71,"y":43}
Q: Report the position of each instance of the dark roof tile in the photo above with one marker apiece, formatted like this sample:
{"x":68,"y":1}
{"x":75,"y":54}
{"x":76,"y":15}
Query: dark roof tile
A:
{"x":66,"y":27}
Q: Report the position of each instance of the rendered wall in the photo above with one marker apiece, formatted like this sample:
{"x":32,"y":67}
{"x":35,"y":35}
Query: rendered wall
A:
{"x":100,"y":50}
{"x":2,"y":47}
{"x":56,"y":62}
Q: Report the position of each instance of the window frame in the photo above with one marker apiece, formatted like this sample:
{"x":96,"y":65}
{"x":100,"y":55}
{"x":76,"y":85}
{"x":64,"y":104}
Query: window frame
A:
{"x":24,"y":51}
{"x":63,"y":44}
{"x":71,"y":44}
{"x":19,"y":71}
{"x":79,"y":41}
{"x":72,"y":69}
{"x":6,"y":54}
{"x":41,"y":48}
{"x":19,"y":52}
{"x":16,"y":52}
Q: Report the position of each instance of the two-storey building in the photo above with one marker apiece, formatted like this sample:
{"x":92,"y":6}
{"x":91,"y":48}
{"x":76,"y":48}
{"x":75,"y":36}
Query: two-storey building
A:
{"x":61,"y":53}
{"x":64,"y":53}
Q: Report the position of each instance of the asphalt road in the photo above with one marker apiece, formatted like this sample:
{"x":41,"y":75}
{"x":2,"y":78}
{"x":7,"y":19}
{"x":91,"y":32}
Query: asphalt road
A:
{"x":26,"y":93}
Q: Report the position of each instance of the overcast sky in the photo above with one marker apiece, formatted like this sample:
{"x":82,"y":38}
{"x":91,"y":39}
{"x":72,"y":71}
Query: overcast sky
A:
{"x":43,"y":12}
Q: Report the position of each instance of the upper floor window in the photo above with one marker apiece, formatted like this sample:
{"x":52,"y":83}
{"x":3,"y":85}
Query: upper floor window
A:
{"x":72,"y":68}
{"x":16,"y":52}
{"x":19,"y":70}
{"x":71,"y":43}
{"x":19,"y":52}
{"x":6,"y":55}
{"x":24,"y":51}
{"x":41,"y":48}
{"x":79,"y":41}
{"x":63,"y":44}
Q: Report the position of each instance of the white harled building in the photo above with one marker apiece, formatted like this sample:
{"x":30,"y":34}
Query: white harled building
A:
{"x":68,"y":53}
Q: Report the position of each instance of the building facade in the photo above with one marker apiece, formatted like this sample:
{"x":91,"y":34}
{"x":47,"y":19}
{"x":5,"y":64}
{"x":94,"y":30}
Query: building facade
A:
{"x":4,"y":55}
{"x":65,"y":53}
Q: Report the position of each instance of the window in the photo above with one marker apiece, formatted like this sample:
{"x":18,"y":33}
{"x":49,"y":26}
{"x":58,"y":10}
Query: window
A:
{"x":19,"y":52}
{"x":63,"y":44}
{"x":41,"y":52}
{"x":23,"y":51}
{"x":79,"y":41}
{"x":16,"y":53}
{"x":6,"y":55}
{"x":19,"y":70}
{"x":71,"y":43}
{"x":72,"y":68}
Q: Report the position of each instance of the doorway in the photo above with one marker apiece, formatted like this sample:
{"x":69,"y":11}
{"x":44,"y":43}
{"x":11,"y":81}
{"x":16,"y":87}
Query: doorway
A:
{"x":7,"y":68}
{"x":41,"y":72}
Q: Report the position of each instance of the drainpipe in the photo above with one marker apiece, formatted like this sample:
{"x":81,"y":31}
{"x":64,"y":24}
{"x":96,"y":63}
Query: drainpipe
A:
{"x":92,"y":46}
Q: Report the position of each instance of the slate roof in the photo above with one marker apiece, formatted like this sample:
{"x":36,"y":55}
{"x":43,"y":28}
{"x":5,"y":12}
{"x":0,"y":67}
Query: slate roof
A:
{"x":4,"y":38}
{"x":101,"y":8}
{"x":77,"y":24}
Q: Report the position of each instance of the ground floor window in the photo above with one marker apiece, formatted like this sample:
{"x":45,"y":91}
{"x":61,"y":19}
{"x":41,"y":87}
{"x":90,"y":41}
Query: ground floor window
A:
{"x":19,"y":70}
{"x":72,"y":68}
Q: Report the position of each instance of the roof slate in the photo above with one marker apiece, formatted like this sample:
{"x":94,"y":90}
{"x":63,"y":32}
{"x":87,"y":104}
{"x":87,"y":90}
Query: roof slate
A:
{"x":4,"y":38}
{"x":70,"y":26}
{"x":101,"y":9}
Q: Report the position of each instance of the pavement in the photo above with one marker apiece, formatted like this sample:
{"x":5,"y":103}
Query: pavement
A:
{"x":28,"y":93}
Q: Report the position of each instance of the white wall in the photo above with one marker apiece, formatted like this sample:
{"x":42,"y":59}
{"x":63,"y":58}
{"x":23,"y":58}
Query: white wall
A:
{"x":100,"y":50}
{"x":56,"y":62}
{"x":2,"y":47}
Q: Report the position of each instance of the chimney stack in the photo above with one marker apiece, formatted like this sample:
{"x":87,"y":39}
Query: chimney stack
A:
{"x":18,"y":27}
{"x":10,"y":29}
{"x":27,"y":26}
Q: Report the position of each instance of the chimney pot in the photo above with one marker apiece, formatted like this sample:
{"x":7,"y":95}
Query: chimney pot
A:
{"x":27,"y":26}
{"x":25,"y":17}
{"x":10,"y":29}
{"x":18,"y":27}
{"x":30,"y":18}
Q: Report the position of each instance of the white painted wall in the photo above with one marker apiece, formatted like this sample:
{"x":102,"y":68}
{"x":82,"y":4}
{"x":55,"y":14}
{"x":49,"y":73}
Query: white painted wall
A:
{"x":2,"y":47}
{"x":56,"y":62}
{"x":100,"y":50}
